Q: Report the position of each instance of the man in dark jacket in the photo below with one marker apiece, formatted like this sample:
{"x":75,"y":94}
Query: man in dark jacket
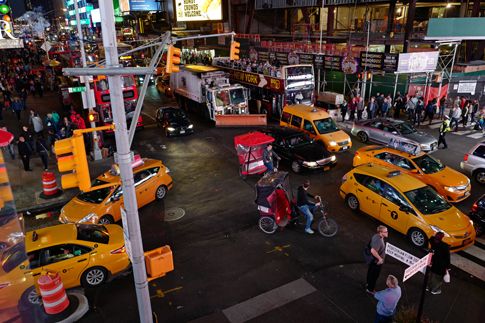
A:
{"x":440,"y":263}
{"x":305,"y":206}
{"x":25,"y":153}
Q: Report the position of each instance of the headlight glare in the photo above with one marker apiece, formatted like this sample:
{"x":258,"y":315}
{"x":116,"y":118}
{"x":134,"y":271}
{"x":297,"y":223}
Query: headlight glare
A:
{"x":91,"y":218}
{"x":171,"y":129}
{"x":332,"y":143}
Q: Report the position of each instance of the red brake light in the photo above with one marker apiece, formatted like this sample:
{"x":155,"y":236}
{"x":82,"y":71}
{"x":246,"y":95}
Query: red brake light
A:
{"x":119,"y":250}
{"x":356,"y":153}
{"x":465,"y":158}
{"x":474,"y":207}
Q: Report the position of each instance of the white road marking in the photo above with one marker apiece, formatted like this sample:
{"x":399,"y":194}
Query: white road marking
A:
{"x":268,"y":301}
{"x":477,"y":135}
{"x":476,"y":252}
{"x":468,"y":265}
{"x":434,"y":125}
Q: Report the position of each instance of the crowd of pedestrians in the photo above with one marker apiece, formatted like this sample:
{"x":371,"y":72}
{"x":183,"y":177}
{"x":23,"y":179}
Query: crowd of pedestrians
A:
{"x":20,"y":78}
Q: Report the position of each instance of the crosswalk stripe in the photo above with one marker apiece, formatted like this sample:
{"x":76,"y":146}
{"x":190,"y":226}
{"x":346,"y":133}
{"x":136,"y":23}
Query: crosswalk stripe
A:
{"x":477,"y":135}
{"x":476,"y":252}
{"x":462,"y":132}
{"x":434,"y":125}
{"x":481,"y":240}
{"x":467,"y":265}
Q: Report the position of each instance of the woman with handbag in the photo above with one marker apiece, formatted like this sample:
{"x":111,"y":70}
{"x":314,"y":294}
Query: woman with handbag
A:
{"x":440,"y":263}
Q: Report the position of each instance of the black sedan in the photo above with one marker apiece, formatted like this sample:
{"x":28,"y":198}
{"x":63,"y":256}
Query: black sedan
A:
{"x":299,"y":150}
{"x":477,"y":214}
{"x":174,"y":121}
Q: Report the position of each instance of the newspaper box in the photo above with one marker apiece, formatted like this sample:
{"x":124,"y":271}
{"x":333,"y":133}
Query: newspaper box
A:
{"x":158,"y":262}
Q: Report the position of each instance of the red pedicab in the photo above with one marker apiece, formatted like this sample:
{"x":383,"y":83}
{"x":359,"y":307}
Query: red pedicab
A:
{"x":250,"y":148}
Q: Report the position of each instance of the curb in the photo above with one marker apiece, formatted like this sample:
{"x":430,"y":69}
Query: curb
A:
{"x":44,"y":207}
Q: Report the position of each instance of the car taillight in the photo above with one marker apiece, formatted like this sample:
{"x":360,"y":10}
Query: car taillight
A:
{"x":465,"y":158}
{"x":3,"y":285}
{"x":474,"y":207}
{"x":119,"y":250}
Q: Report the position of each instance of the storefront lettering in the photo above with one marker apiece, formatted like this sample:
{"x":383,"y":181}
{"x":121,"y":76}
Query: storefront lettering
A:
{"x":275,"y":84}
{"x":246,"y":77}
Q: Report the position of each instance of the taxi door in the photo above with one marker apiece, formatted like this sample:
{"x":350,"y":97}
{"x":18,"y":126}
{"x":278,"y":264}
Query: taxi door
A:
{"x":68,"y":260}
{"x":390,"y":212}
{"x":369,"y":196}
{"x":142,"y":187}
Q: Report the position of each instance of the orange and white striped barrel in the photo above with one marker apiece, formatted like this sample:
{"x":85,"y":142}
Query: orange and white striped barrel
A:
{"x":49,"y":184}
{"x":53,"y":293}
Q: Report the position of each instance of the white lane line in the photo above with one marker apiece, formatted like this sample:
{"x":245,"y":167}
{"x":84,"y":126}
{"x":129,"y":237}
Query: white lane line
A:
{"x":477,"y":135}
{"x":467,"y":265}
{"x":149,"y":116}
{"x":476,"y":252}
{"x":461,"y":132}
{"x":268,"y":301}
{"x":434,"y":125}
{"x":481,"y":240}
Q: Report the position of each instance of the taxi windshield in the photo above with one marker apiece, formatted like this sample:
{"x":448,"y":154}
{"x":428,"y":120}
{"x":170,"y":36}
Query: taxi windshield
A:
{"x":428,"y":164}
{"x":96,"y":196}
{"x":405,"y":128}
{"x":325,"y":125}
{"x":427,"y":201}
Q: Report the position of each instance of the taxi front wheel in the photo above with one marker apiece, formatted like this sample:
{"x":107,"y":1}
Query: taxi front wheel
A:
{"x":418,"y":237}
{"x":94,"y":276}
{"x":161,"y":192}
{"x":352,"y":202}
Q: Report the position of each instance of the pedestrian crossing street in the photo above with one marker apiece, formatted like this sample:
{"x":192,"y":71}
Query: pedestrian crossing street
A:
{"x":468,"y":131}
{"x":472,"y":259}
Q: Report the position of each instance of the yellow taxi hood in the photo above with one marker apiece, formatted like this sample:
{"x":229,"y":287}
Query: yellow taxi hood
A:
{"x":337,"y":136}
{"x":76,"y":209}
{"x":449,"y":177}
{"x":451,"y":220}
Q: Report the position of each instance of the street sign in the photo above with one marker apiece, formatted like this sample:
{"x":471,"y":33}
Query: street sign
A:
{"x":126,"y":234}
{"x":401,"y":255}
{"x":77,"y":89}
{"x":420,"y":264}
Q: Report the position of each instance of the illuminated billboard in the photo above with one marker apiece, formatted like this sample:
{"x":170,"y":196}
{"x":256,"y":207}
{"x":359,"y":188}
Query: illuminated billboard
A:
{"x":140,"y":5}
{"x":198,"y":10}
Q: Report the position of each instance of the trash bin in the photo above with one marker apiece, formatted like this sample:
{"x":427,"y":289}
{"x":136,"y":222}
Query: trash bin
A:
{"x":158,"y":262}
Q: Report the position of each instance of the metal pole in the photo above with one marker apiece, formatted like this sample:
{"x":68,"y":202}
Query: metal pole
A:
{"x":321,"y":26}
{"x":395,"y":86}
{"x":423,"y":294}
{"x":144,"y":87}
{"x":85,"y":95}
{"x":345,"y":83}
{"x":370,"y":86}
{"x":131,"y":221}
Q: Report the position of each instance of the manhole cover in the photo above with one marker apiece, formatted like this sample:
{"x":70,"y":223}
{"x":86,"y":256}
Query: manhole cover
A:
{"x":174,"y":213}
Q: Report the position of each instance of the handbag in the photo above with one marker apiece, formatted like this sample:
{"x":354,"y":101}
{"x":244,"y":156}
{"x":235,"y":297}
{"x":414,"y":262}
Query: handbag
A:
{"x":368,"y":257}
{"x":446,"y":277}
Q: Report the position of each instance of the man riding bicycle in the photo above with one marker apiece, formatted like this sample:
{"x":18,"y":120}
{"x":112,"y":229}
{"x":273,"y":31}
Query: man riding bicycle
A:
{"x":305,"y":206}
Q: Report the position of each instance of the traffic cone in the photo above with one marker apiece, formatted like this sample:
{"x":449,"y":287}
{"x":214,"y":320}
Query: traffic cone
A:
{"x":49,"y":186}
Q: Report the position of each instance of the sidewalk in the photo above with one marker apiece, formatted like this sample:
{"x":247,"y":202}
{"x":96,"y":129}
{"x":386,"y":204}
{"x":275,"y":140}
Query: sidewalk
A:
{"x":27,"y":186}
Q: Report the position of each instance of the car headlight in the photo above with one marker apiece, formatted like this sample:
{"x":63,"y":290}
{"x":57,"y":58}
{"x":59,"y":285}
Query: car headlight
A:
{"x":333,"y":158}
{"x":171,"y":129}
{"x":332,"y":143}
{"x":190,"y":126}
{"x":437,"y":229}
{"x":451,"y":189}
{"x":63,"y":219}
{"x":91,"y":218}
{"x":310,"y":164}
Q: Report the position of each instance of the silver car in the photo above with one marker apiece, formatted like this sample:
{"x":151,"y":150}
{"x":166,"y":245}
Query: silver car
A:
{"x":474,"y":162}
{"x":383,"y":131}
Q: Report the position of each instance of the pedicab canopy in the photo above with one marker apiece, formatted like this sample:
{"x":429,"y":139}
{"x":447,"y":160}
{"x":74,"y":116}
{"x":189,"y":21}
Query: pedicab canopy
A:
{"x":251,"y":139}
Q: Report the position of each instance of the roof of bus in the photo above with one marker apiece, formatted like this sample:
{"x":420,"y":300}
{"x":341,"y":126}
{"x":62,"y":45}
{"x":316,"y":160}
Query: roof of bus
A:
{"x":307,"y":109}
{"x":201,"y":68}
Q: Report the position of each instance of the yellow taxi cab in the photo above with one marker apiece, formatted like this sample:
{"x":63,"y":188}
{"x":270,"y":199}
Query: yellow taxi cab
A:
{"x":451,"y":184}
{"x":152,"y":182}
{"x":407,"y":205}
{"x":83,"y":255}
{"x":318,"y":124}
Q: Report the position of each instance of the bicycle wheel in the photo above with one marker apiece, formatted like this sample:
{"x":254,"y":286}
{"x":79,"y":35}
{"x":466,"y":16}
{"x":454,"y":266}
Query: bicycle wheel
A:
{"x":327,"y":227}
{"x":267,"y":224}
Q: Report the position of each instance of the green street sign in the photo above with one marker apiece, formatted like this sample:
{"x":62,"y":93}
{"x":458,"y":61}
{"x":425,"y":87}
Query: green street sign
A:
{"x":77,"y":89}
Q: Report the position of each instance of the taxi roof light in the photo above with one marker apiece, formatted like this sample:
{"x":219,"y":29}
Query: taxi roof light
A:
{"x":394,"y":173}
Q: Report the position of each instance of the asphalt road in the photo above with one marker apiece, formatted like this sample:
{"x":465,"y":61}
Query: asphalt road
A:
{"x":222,"y":258}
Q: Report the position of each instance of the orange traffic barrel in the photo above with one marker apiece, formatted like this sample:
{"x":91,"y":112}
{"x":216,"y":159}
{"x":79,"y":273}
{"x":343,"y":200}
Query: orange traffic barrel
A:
{"x":49,"y":186}
{"x":53,"y":294}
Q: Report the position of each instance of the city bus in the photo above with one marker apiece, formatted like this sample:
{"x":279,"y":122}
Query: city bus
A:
{"x":103,"y":103}
{"x":293,"y":84}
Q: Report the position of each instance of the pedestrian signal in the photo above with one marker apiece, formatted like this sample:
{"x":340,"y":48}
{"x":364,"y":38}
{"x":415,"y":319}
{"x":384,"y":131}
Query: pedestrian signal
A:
{"x":93,"y":116}
{"x":173,"y":59}
{"x":234,"y":52}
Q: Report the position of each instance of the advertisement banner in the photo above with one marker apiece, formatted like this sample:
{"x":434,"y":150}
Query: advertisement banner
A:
{"x":371,"y":61}
{"x":390,"y":62}
{"x":141,"y":5}
{"x":318,"y":61}
{"x":417,"y":62}
{"x":198,"y":10}
{"x":332,"y":62}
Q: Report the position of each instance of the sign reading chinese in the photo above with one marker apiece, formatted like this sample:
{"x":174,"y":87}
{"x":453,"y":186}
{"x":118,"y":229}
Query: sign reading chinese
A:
{"x":418,"y":62}
{"x":198,"y":10}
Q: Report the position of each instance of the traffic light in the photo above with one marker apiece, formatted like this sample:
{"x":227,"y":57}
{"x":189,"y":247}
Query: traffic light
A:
{"x":173,"y":59}
{"x":234,"y":53}
{"x":93,"y":116}
{"x":71,"y":157}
